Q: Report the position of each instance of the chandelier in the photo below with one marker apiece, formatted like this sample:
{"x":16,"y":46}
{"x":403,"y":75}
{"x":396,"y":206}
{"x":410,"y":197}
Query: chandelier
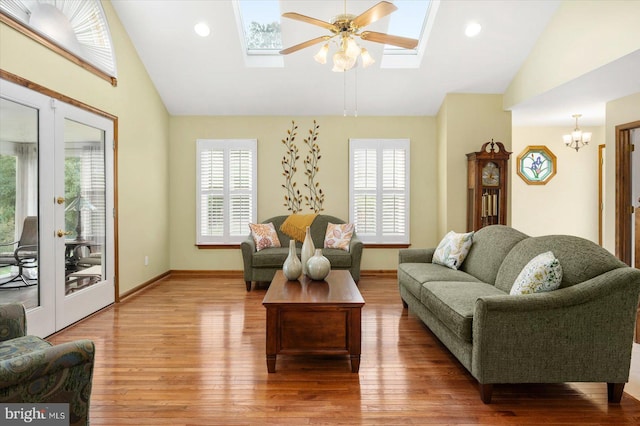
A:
{"x":347,"y":55}
{"x":577,"y":139}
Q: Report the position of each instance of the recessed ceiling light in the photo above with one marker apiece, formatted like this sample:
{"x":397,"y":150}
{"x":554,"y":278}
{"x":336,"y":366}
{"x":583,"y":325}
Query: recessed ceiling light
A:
{"x":473,"y":29}
{"x":202,"y":29}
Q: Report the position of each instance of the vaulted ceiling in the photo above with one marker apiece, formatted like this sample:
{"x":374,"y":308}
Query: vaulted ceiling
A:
{"x":212,"y":75}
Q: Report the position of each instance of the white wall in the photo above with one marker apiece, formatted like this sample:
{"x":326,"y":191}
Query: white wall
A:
{"x":568,"y":203}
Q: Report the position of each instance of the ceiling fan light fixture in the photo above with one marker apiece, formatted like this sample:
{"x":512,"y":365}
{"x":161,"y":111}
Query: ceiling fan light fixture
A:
{"x":321,"y":56}
{"x":342,"y":61}
{"x":352,"y":49}
{"x":367,"y":59}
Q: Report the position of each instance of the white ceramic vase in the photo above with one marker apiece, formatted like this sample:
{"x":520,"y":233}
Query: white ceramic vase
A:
{"x":292,"y":267}
{"x":318,"y":266}
{"x":307,"y":250}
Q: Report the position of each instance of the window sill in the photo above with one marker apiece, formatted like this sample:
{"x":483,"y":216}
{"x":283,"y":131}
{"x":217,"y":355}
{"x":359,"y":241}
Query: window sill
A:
{"x":217,"y":246}
{"x":383,"y":245}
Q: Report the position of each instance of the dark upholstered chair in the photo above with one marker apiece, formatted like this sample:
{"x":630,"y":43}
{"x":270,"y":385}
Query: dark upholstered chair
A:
{"x":261,"y":266}
{"x":34,"y":371}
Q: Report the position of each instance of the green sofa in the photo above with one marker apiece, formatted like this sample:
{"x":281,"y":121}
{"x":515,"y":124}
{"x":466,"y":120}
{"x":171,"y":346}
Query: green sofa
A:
{"x":581,"y":332}
{"x":261,"y":266}
{"x":34,"y":371}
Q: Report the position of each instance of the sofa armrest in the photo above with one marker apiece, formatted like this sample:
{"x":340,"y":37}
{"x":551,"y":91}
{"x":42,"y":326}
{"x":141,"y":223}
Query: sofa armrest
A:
{"x":248,"y":248}
{"x":579,"y":333}
{"x":415,"y":255}
{"x":355,"y":248}
{"x":13,"y":321}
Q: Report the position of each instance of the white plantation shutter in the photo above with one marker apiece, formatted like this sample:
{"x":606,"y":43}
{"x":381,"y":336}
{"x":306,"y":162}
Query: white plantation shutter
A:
{"x":379,"y":189}
{"x":226,"y":184}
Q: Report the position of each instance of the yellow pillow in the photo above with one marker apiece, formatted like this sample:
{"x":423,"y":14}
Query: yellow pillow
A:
{"x":295,"y":225}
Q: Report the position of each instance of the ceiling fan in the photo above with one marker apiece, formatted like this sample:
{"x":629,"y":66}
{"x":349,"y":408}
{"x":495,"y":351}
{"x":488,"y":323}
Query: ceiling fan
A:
{"x":346,"y":26}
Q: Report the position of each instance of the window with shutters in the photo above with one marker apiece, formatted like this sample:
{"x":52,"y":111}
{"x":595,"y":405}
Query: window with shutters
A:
{"x":379,"y":190}
{"x":226,"y":190}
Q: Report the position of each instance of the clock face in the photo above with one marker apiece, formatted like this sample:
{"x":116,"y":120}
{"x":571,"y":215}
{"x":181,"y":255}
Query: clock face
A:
{"x":491,"y":175}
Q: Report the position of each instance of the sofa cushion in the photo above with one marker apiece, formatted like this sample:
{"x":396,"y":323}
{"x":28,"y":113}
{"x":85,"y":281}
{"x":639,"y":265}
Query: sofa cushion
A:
{"x":490,"y":246}
{"x":413,"y":275}
{"x":542,"y":273}
{"x":337,"y":257}
{"x":272,"y":257}
{"x":581,"y":259}
{"x":21,"y":345}
{"x":453,"y":249}
{"x":454,"y":303}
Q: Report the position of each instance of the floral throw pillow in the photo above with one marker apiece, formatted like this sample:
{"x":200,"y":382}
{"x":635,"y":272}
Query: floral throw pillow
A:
{"x":453,"y":249}
{"x":542,"y":273}
{"x":264,"y":235}
{"x":338,"y":236}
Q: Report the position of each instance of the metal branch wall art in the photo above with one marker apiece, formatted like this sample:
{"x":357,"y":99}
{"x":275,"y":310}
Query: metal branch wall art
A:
{"x":316,"y":197}
{"x":293,"y":197}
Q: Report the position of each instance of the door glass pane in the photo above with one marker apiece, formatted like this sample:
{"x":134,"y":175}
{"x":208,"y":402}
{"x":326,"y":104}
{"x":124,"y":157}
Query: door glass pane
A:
{"x":85,"y":192}
{"x":19,"y":204}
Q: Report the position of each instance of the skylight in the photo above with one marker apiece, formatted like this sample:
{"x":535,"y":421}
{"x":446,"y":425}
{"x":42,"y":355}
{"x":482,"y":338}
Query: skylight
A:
{"x":408,"y":21}
{"x":261,"y":26}
{"x":414,"y":19}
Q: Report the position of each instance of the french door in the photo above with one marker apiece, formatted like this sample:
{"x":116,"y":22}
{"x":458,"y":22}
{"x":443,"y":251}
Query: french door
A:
{"x":56,"y":162}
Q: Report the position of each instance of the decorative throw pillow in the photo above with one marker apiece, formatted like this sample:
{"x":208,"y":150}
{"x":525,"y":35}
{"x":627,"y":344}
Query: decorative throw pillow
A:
{"x":264,"y":235}
{"x":453,"y":249}
{"x":542,"y":273}
{"x":338,"y":236}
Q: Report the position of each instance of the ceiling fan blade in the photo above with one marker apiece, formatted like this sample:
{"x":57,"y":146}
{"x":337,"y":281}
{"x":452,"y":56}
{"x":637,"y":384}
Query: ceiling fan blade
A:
{"x":304,"y":45}
{"x":407,"y":43}
{"x":309,"y":20}
{"x":371,"y":15}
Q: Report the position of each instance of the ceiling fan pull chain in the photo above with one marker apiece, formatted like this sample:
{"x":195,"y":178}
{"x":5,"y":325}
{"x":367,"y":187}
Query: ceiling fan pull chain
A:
{"x":344,"y":92}
{"x":355,"y":114}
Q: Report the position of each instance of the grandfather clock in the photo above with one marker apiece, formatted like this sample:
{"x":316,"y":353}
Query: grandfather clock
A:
{"x":487,"y":173}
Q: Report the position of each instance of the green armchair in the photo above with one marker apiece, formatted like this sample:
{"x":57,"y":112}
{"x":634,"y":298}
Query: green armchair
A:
{"x":34,"y":371}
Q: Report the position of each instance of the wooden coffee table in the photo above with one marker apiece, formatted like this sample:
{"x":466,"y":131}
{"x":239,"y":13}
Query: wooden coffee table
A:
{"x":308,"y":317}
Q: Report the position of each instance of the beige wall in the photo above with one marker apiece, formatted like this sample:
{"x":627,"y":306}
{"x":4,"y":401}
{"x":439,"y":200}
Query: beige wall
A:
{"x":582,"y":35}
{"x":621,"y":111}
{"x":142,"y":139}
{"x":334,"y":134}
{"x":469,"y":120}
{"x":568,"y":203}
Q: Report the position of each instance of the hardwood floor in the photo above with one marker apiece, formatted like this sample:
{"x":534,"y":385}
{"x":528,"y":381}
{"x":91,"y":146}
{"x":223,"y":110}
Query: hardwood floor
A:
{"x":191,"y":351}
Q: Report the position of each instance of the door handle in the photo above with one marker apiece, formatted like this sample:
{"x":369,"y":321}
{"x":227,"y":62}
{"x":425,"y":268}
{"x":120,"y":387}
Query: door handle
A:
{"x":60,"y":200}
{"x":62,"y":233}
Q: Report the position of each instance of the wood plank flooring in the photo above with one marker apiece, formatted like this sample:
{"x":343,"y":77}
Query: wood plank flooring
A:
{"x":191,"y":351}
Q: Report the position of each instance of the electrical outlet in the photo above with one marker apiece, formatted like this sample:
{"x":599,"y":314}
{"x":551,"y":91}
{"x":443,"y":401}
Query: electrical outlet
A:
{"x":146,"y":261}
